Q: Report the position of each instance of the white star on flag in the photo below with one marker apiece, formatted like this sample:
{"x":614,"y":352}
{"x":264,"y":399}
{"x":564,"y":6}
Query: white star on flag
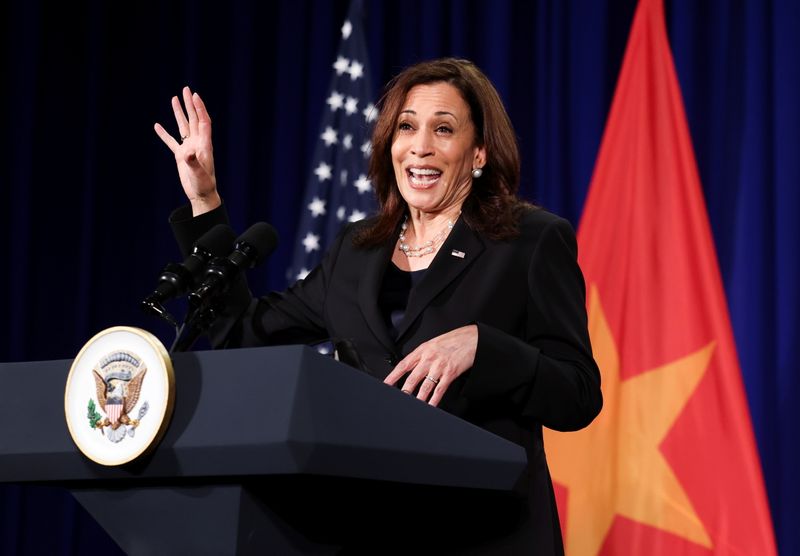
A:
{"x":329,"y":136}
{"x":362,"y":184}
{"x":311,"y":242}
{"x":323,"y":172}
{"x":341,"y":64}
{"x":317,"y":207}
{"x":335,"y":101}
{"x":370,"y":113}
{"x":351,"y":106}
{"x":366,"y":148}
{"x":356,"y":70}
{"x":341,"y":151}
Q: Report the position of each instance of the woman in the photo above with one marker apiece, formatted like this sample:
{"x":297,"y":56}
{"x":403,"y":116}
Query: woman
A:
{"x":457,"y":291}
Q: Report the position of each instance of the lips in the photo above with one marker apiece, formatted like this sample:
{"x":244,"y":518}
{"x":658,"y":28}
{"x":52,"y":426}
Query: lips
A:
{"x":423,"y":177}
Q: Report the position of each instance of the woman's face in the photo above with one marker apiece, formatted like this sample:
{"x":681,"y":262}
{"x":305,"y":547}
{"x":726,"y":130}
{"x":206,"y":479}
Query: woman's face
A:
{"x":433,"y":148}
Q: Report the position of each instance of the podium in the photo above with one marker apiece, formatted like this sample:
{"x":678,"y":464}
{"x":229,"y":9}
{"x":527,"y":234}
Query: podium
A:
{"x":273,"y":451}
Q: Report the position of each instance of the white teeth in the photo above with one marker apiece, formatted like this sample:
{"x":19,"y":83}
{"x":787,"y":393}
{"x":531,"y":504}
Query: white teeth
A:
{"x":424,"y":171}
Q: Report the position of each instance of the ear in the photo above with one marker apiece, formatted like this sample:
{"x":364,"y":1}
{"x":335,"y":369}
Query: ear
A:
{"x":479,"y":160}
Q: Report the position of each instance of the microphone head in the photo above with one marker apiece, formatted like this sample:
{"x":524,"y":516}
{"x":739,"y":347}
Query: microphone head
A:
{"x":216,"y":242}
{"x":259,"y":241}
{"x":250,"y":249}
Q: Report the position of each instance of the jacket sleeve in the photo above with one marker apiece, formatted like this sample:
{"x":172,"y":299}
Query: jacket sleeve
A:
{"x":294,"y":316}
{"x":187,"y":228}
{"x":549,"y":375}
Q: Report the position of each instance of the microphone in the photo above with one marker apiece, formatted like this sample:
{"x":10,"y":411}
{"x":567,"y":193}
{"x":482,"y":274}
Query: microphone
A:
{"x":250,"y":250}
{"x":177,"y":278}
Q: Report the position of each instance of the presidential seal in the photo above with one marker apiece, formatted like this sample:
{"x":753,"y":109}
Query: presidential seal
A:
{"x":118,"y":378}
{"x":119,"y":395}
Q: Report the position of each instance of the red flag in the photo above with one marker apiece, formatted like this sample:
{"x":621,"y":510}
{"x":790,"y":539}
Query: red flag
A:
{"x":670,"y":466}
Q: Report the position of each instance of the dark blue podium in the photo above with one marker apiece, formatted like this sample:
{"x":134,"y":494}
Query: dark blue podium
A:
{"x":273,"y":451}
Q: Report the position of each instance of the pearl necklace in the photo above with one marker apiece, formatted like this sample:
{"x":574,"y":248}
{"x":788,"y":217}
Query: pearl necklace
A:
{"x":426,"y":248}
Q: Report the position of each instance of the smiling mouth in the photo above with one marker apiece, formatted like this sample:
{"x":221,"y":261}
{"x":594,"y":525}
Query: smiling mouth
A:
{"x":423,"y":177}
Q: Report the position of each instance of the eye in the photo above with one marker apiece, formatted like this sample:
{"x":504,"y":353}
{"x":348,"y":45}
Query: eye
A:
{"x":444,"y":129}
{"x":404,"y":126}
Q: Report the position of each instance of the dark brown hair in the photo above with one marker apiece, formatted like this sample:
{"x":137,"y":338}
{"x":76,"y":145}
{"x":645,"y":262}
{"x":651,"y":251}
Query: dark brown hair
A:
{"x":492,"y":207}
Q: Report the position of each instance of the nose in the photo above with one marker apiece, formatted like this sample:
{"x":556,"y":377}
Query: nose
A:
{"x":422,"y":144}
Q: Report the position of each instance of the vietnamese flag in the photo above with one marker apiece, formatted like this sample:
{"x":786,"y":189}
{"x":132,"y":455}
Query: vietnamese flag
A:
{"x":670,"y":465}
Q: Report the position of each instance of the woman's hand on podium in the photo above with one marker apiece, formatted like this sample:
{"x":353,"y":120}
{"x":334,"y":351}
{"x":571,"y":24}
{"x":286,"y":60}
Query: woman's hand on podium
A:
{"x":435,"y":364}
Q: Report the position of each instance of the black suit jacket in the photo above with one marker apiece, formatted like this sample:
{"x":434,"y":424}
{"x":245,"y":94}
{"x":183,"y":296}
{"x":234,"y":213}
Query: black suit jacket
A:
{"x":533,"y":366}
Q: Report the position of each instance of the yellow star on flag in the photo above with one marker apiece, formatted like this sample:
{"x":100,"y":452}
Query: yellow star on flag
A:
{"x":614,"y":466}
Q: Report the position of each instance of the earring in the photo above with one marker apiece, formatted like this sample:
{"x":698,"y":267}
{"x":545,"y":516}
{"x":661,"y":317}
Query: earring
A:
{"x":477,"y":172}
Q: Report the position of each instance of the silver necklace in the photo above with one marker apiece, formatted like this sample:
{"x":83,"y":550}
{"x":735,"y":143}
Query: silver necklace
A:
{"x":426,"y":248}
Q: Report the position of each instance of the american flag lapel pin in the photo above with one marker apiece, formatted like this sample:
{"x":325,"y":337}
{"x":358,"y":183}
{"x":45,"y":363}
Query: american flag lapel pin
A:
{"x":457,"y":253}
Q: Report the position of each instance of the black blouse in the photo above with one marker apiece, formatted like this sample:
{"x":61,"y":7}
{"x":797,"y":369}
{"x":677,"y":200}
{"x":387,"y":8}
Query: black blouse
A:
{"x":393,"y":297}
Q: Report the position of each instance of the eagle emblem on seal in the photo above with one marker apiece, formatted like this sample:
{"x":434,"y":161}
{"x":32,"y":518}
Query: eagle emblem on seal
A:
{"x":118,"y":381}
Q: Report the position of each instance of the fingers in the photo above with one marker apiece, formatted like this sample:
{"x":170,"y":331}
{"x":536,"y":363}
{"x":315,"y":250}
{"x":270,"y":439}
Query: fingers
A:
{"x":180,"y":118}
{"x":203,"y":122}
{"x":429,"y":382}
{"x":427,"y":386}
{"x":434,"y":365}
{"x":200,"y":108}
{"x":439,"y":390}
{"x":408,"y":363}
{"x":192,"y":119}
{"x":421,"y":377}
{"x":191,"y":111}
{"x":168,"y":140}
{"x":412,"y":382}
{"x":187,"y":155}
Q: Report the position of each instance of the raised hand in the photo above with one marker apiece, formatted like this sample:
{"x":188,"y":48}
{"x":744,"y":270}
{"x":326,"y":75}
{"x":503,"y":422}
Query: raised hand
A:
{"x":194,"y":153}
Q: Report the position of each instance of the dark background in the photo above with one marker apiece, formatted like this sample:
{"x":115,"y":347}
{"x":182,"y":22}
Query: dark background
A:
{"x":86,"y":186}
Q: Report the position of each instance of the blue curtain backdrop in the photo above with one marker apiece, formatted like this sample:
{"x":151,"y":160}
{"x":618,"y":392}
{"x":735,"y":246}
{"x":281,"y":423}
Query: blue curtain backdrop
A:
{"x":86,"y":186}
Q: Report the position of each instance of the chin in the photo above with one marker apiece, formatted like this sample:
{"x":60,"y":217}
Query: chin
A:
{"x":420,"y":200}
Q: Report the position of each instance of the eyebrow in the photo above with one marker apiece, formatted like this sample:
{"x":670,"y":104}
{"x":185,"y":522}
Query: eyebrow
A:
{"x":439,"y":113}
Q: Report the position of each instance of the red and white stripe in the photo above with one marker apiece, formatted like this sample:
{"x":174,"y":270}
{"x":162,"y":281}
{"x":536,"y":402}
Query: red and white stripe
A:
{"x":114,"y":411}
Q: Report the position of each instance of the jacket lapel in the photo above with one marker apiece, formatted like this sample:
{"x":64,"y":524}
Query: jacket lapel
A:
{"x":461,"y":248}
{"x":368,"y":289}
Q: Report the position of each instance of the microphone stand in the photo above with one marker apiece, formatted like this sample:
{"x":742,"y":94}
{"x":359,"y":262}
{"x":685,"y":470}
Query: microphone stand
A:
{"x":252,"y":246}
{"x":196,"y":322}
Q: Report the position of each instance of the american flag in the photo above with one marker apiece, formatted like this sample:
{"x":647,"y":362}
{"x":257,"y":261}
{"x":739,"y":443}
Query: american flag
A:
{"x":338,"y":190}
